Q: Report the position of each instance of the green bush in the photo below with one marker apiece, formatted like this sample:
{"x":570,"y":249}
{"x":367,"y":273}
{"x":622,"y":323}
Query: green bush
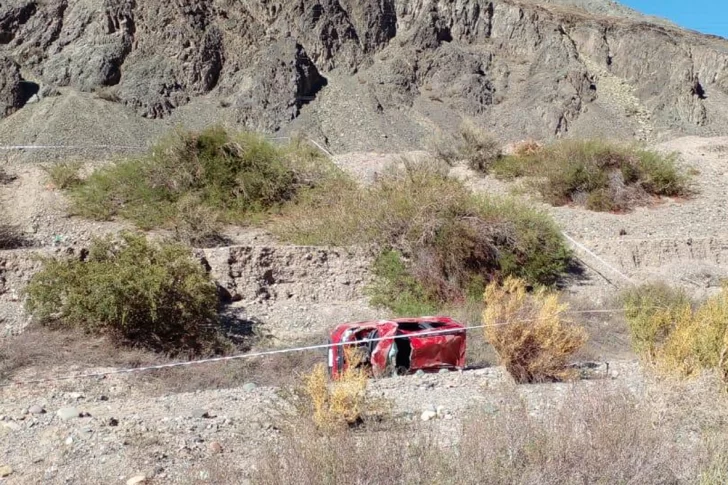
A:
{"x":395,"y":288}
{"x":236,"y":177}
{"x":150,"y":295}
{"x":599,"y":175}
{"x":450,"y":241}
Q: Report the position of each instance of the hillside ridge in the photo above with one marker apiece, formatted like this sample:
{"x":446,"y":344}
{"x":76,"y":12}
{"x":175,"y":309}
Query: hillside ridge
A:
{"x":359,"y":75}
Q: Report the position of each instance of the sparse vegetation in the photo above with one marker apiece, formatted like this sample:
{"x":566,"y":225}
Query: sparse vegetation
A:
{"x":331,"y":406}
{"x":143,"y":294}
{"x":64,"y":175}
{"x":439,"y":242}
{"x":600,"y":436}
{"x":469,"y":143}
{"x":530,"y":332}
{"x":600,"y":175}
{"x":191,"y":180}
{"x":677,"y":336}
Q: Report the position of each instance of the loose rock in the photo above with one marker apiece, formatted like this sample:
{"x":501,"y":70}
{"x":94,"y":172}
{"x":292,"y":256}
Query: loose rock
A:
{"x":36,"y":410}
{"x":5,"y":471}
{"x":200,"y":414}
{"x":428,"y":415}
{"x":137,"y":479}
{"x":68,"y":413}
{"x":250,"y":386}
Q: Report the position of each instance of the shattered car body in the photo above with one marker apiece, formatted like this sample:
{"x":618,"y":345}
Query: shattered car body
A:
{"x":403,"y":345}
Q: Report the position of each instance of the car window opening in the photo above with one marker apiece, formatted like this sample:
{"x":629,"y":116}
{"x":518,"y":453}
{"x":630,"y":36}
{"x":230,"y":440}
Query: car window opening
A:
{"x":404,"y":355}
{"x":419,"y":326}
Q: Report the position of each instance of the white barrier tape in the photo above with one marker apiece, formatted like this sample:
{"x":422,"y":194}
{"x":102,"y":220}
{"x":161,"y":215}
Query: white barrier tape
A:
{"x":70,"y":147}
{"x":235,"y":357}
{"x":263,"y":354}
{"x":321,"y":148}
{"x":685,"y":239}
{"x":590,"y":253}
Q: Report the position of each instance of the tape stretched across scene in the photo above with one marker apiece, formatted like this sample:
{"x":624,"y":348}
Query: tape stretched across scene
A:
{"x":601,"y":260}
{"x":134,"y":370}
{"x":71,"y":147}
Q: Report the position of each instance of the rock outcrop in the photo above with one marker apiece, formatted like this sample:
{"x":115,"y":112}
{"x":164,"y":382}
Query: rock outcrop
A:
{"x":523,"y":68}
{"x":10,"y":89}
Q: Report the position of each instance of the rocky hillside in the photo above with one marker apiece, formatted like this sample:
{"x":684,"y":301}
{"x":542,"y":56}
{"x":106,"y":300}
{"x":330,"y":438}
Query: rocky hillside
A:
{"x":374,"y":74}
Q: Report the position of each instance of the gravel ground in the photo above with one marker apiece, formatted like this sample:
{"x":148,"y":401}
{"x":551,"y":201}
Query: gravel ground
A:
{"x":124,"y":432}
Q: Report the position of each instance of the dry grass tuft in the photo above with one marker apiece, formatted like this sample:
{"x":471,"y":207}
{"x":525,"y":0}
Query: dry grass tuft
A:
{"x":64,"y":175}
{"x":595,"y":436}
{"x":530,"y":333}
{"x":651,"y":311}
{"x":335,"y":405}
{"x":471,"y":144}
{"x":527,"y":148}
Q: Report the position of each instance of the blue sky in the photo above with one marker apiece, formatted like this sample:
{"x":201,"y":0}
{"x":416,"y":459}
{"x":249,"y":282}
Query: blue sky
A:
{"x":709,"y":16}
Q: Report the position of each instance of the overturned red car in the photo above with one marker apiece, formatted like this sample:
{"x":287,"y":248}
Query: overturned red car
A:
{"x":400,"y":346}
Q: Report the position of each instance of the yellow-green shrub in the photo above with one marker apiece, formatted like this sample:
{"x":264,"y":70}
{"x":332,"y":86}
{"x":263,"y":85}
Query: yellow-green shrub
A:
{"x":530,"y":332}
{"x":680,"y":338}
{"x":234,"y":176}
{"x":336,"y":404}
{"x":651,"y":312}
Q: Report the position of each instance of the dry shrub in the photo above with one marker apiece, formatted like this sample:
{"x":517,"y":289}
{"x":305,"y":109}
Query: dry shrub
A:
{"x":470,"y":143}
{"x":679,"y":337}
{"x":530,"y":333}
{"x":651,"y":311}
{"x":527,"y":148}
{"x":334,"y":405}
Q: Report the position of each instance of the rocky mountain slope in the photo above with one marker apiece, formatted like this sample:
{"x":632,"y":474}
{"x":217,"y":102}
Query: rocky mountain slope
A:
{"x":358,"y":74}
